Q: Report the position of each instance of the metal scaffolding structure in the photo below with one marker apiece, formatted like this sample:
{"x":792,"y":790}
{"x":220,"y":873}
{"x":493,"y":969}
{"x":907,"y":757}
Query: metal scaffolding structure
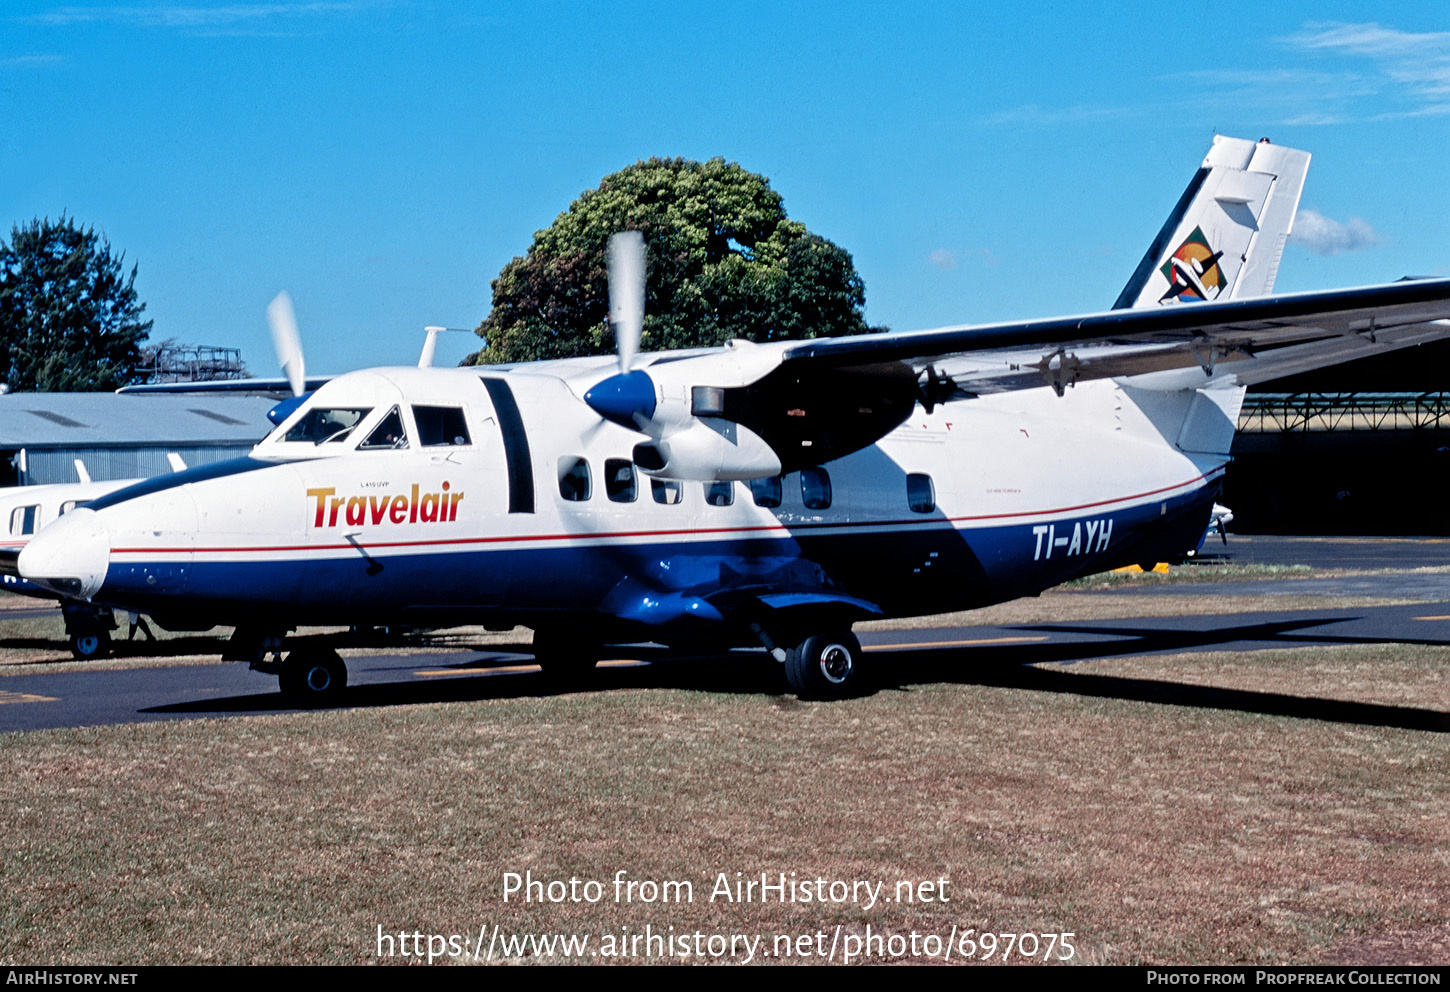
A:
{"x":1277,"y":413}
{"x":171,"y":362}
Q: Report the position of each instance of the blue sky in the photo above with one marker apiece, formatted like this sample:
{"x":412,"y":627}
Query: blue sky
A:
{"x":981,"y":161}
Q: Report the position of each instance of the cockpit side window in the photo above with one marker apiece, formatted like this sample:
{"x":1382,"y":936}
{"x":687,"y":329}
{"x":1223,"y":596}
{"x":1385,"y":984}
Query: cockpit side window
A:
{"x":389,"y":435}
{"x":440,"y":426}
{"x":323,"y":425}
{"x":23,"y":520}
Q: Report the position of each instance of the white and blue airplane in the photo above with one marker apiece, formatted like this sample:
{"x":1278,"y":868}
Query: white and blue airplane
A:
{"x":752,"y":494}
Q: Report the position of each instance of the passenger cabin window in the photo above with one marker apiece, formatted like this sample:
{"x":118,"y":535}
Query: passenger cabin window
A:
{"x":619,"y":480}
{"x":766,"y":492}
{"x":440,"y":426}
{"x":920,"y":493}
{"x":389,"y":435}
{"x":815,"y":488}
{"x":666,"y":492}
{"x":575,"y":484}
{"x":71,"y":504}
{"x":719,"y":493}
{"x":323,"y":425}
{"x":23,"y":520}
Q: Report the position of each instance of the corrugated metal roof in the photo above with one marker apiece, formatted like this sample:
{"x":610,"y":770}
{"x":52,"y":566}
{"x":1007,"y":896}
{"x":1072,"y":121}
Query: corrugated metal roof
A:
{"x":46,"y":420}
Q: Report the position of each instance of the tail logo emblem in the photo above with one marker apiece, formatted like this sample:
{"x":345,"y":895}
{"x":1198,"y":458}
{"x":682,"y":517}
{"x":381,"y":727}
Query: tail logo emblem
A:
{"x":1193,"y":272}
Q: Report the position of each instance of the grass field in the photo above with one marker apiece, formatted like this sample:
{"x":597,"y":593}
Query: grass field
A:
{"x":1267,"y":807}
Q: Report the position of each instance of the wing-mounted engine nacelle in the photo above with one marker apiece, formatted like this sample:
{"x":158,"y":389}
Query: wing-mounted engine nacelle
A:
{"x":771,"y":418}
{"x":810,"y":415}
{"x":708,"y":449}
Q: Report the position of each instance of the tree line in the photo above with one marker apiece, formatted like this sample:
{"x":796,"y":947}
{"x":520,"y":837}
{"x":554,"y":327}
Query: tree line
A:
{"x":70,"y":319}
{"x":723,"y":261}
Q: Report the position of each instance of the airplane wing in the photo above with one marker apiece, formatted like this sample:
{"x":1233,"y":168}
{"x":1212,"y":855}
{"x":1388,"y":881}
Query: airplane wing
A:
{"x":749,"y":411}
{"x":1253,"y":339}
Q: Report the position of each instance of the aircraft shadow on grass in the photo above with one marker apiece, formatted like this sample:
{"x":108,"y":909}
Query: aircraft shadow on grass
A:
{"x":1003,"y":666}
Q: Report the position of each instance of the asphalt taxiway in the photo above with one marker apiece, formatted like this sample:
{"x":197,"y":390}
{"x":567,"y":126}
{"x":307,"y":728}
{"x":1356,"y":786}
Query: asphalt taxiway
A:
{"x":81,"y":696}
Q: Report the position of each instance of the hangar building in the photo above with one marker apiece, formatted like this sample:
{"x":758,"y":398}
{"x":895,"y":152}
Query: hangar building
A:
{"x":122,"y":436}
{"x":1358,"y":448}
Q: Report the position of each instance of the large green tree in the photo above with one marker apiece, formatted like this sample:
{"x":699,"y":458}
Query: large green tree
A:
{"x":69,"y":316}
{"x":722,"y":261}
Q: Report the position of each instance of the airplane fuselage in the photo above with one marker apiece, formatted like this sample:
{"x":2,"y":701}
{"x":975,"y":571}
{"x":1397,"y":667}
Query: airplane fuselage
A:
{"x":539,"y":517}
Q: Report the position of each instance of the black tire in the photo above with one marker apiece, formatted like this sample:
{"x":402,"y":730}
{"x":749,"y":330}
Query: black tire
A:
{"x":86,"y":647}
{"x":312,"y":676}
{"x":563,"y":658}
{"x":826,"y":666}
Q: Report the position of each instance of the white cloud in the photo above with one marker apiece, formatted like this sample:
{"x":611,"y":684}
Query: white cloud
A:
{"x":1416,"y":66}
{"x":1324,"y":236}
{"x":1373,"y":40}
{"x":943,"y":259}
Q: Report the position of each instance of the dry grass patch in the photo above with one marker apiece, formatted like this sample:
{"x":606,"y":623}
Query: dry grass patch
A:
{"x":1157,"y":833}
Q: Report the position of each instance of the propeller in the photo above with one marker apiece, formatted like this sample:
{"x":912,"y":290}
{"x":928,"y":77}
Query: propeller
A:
{"x":626,"y":294}
{"x":628,"y":397}
{"x":286,"y":341}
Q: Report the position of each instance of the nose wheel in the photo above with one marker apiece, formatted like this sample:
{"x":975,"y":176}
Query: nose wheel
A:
{"x":93,"y":645}
{"x":312,"y":676}
{"x":87,"y":629}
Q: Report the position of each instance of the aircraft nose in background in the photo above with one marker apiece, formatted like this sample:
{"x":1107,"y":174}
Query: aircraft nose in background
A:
{"x":70,"y":556}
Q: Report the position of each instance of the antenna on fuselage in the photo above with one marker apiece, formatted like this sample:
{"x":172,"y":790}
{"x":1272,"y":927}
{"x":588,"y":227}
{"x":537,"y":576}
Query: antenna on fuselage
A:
{"x":430,"y":343}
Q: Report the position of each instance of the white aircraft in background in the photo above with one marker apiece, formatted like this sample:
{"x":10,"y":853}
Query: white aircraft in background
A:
{"x":26,"y":509}
{"x":768,"y":494}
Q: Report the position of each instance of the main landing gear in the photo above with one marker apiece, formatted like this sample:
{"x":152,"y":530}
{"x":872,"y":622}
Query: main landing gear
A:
{"x":313,"y":676}
{"x":566,"y":658}
{"x":310,"y":675}
{"x":826,"y":666}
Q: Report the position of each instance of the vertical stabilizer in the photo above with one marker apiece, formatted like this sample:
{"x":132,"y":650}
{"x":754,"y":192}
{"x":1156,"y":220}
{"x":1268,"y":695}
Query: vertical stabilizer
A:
{"x":1226,"y":235}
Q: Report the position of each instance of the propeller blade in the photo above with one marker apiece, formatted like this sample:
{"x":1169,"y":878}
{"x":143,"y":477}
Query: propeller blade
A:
{"x":286,"y":341}
{"x":626,"y":294}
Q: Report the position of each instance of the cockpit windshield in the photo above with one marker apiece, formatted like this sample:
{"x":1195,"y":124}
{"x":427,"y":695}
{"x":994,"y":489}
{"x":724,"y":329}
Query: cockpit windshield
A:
{"x":324,"y":425}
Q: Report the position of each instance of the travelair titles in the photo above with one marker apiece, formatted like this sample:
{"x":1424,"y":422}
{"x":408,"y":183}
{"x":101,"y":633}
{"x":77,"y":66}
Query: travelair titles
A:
{"x":331,"y":510}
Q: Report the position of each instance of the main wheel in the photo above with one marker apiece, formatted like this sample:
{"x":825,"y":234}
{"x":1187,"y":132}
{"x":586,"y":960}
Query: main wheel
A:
{"x":565,"y":658}
{"x":93,"y":645}
{"x":826,"y":666}
{"x":313,"y":676}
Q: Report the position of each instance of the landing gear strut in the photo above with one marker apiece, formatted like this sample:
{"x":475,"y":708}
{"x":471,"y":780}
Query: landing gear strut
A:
{"x":826,"y":666}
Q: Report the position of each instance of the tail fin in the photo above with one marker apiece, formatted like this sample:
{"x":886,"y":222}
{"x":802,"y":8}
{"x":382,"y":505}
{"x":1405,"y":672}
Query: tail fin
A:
{"x":1225,"y":237}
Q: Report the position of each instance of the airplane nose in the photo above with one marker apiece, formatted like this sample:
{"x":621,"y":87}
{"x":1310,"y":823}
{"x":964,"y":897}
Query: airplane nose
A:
{"x":70,"y":556}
